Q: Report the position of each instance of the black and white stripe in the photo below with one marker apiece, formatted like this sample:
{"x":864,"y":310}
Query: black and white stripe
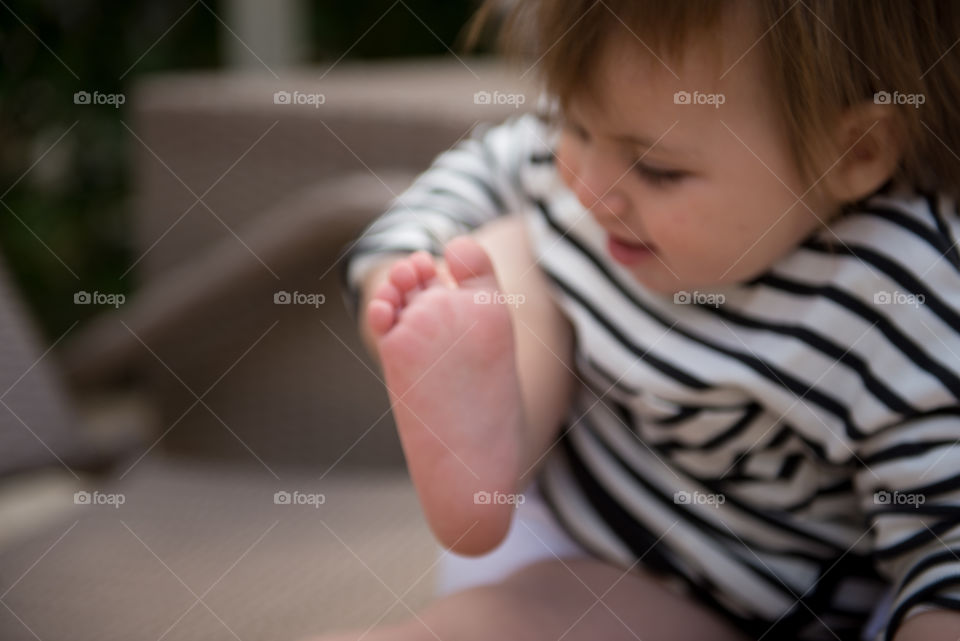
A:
{"x":797,"y":400}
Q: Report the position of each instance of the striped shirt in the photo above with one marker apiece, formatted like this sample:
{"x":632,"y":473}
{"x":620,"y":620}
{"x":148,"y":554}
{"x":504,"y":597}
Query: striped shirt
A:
{"x":788,"y":448}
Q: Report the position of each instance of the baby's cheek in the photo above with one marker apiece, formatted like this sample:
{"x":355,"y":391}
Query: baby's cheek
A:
{"x":703,"y":227}
{"x":695,"y":249}
{"x":676,"y":231}
{"x":566,"y":161}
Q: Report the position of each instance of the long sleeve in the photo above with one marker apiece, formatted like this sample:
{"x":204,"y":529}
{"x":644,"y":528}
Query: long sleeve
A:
{"x":909,"y":489}
{"x":464,"y":188}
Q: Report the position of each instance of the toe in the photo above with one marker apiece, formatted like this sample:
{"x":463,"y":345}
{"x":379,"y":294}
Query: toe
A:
{"x":380,"y":316}
{"x":425,"y":267}
{"x":389,"y":293}
{"x":468,"y":262}
{"x":404,"y":276}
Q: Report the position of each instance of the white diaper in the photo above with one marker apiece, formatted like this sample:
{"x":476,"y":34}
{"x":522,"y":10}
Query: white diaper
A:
{"x":534,"y":535}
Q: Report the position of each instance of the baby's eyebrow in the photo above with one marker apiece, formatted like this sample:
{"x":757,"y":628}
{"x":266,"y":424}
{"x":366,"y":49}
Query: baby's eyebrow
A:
{"x":647,"y":144}
{"x":641,"y":142}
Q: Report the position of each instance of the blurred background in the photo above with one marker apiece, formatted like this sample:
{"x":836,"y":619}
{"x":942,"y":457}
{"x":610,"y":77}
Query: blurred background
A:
{"x":193,"y":442}
{"x":77,"y":199}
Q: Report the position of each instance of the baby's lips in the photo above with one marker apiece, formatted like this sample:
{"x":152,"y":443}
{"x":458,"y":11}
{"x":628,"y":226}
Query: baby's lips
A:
{"x":632,"y":242}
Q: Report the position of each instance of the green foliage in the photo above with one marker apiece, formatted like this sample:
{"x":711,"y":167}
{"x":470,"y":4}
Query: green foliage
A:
{"x":405,"y":28}
{"x":64,"y":167}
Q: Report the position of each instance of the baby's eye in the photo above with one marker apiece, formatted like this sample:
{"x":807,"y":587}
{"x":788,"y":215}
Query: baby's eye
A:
{"x":660,"y":177}
{"x":576,"y":130}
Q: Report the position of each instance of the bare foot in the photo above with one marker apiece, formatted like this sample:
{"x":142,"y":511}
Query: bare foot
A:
{"x":448,"y":357}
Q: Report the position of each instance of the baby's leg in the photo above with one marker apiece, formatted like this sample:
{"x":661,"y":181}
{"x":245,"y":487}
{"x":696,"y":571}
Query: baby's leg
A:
{"x":458,"y":378}
{"x":448,"y":356}
{"x":573,"y":600}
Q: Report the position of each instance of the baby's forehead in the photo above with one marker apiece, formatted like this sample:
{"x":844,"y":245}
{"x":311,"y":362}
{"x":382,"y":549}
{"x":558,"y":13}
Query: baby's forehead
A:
{"x":624,"y":68}
{"x":631,"y":84}
{"x":707,"y":65}
{"x":700,"y":55}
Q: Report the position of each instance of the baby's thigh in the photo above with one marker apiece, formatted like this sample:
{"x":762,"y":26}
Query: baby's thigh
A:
{"x":575,"y":599}
{"x":585,"y":598}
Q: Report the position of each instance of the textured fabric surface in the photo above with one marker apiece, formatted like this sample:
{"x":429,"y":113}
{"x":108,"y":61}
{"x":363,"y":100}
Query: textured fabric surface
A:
{"x":263,"y":570}
{"x":36,"y":427}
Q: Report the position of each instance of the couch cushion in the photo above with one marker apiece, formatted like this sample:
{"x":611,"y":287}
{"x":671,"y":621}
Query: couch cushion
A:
{"x":264,"y":570}
{"x":36,"y":426}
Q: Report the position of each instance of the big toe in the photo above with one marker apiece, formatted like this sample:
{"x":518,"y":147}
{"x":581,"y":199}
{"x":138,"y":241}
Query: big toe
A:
{"x":469,"y":263}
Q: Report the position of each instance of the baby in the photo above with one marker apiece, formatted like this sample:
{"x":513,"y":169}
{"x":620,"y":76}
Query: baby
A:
{"x":709,"y":301}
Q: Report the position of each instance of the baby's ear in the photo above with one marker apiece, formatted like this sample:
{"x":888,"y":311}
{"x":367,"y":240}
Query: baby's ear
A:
{"x":866,"y":151}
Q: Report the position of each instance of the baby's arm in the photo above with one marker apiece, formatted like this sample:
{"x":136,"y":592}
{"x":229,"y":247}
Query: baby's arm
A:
{"x":543,"y":338}
{"x":933,"y":625}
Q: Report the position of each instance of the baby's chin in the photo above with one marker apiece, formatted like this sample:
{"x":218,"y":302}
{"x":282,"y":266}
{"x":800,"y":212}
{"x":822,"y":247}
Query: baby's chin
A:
{"x":664,"y":282}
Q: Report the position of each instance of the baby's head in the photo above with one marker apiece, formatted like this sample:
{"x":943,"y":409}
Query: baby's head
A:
{"x":721,"y":134}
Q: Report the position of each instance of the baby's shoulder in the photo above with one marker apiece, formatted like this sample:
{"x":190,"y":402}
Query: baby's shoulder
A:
{"x":884,"y":279}
{"x":898,"y":218}
{"x":897,"y":247}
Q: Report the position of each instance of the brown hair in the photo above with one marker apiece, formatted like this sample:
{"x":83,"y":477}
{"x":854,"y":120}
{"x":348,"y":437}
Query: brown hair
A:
{"x":828,"y":55}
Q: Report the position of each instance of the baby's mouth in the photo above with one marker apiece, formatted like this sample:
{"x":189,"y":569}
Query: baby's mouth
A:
{"x":629,"y":252}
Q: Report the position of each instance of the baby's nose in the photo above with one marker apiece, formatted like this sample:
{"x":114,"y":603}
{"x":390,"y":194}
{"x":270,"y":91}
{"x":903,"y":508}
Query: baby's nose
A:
{"x":611,"y":204}
{"x":597,"y":190}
